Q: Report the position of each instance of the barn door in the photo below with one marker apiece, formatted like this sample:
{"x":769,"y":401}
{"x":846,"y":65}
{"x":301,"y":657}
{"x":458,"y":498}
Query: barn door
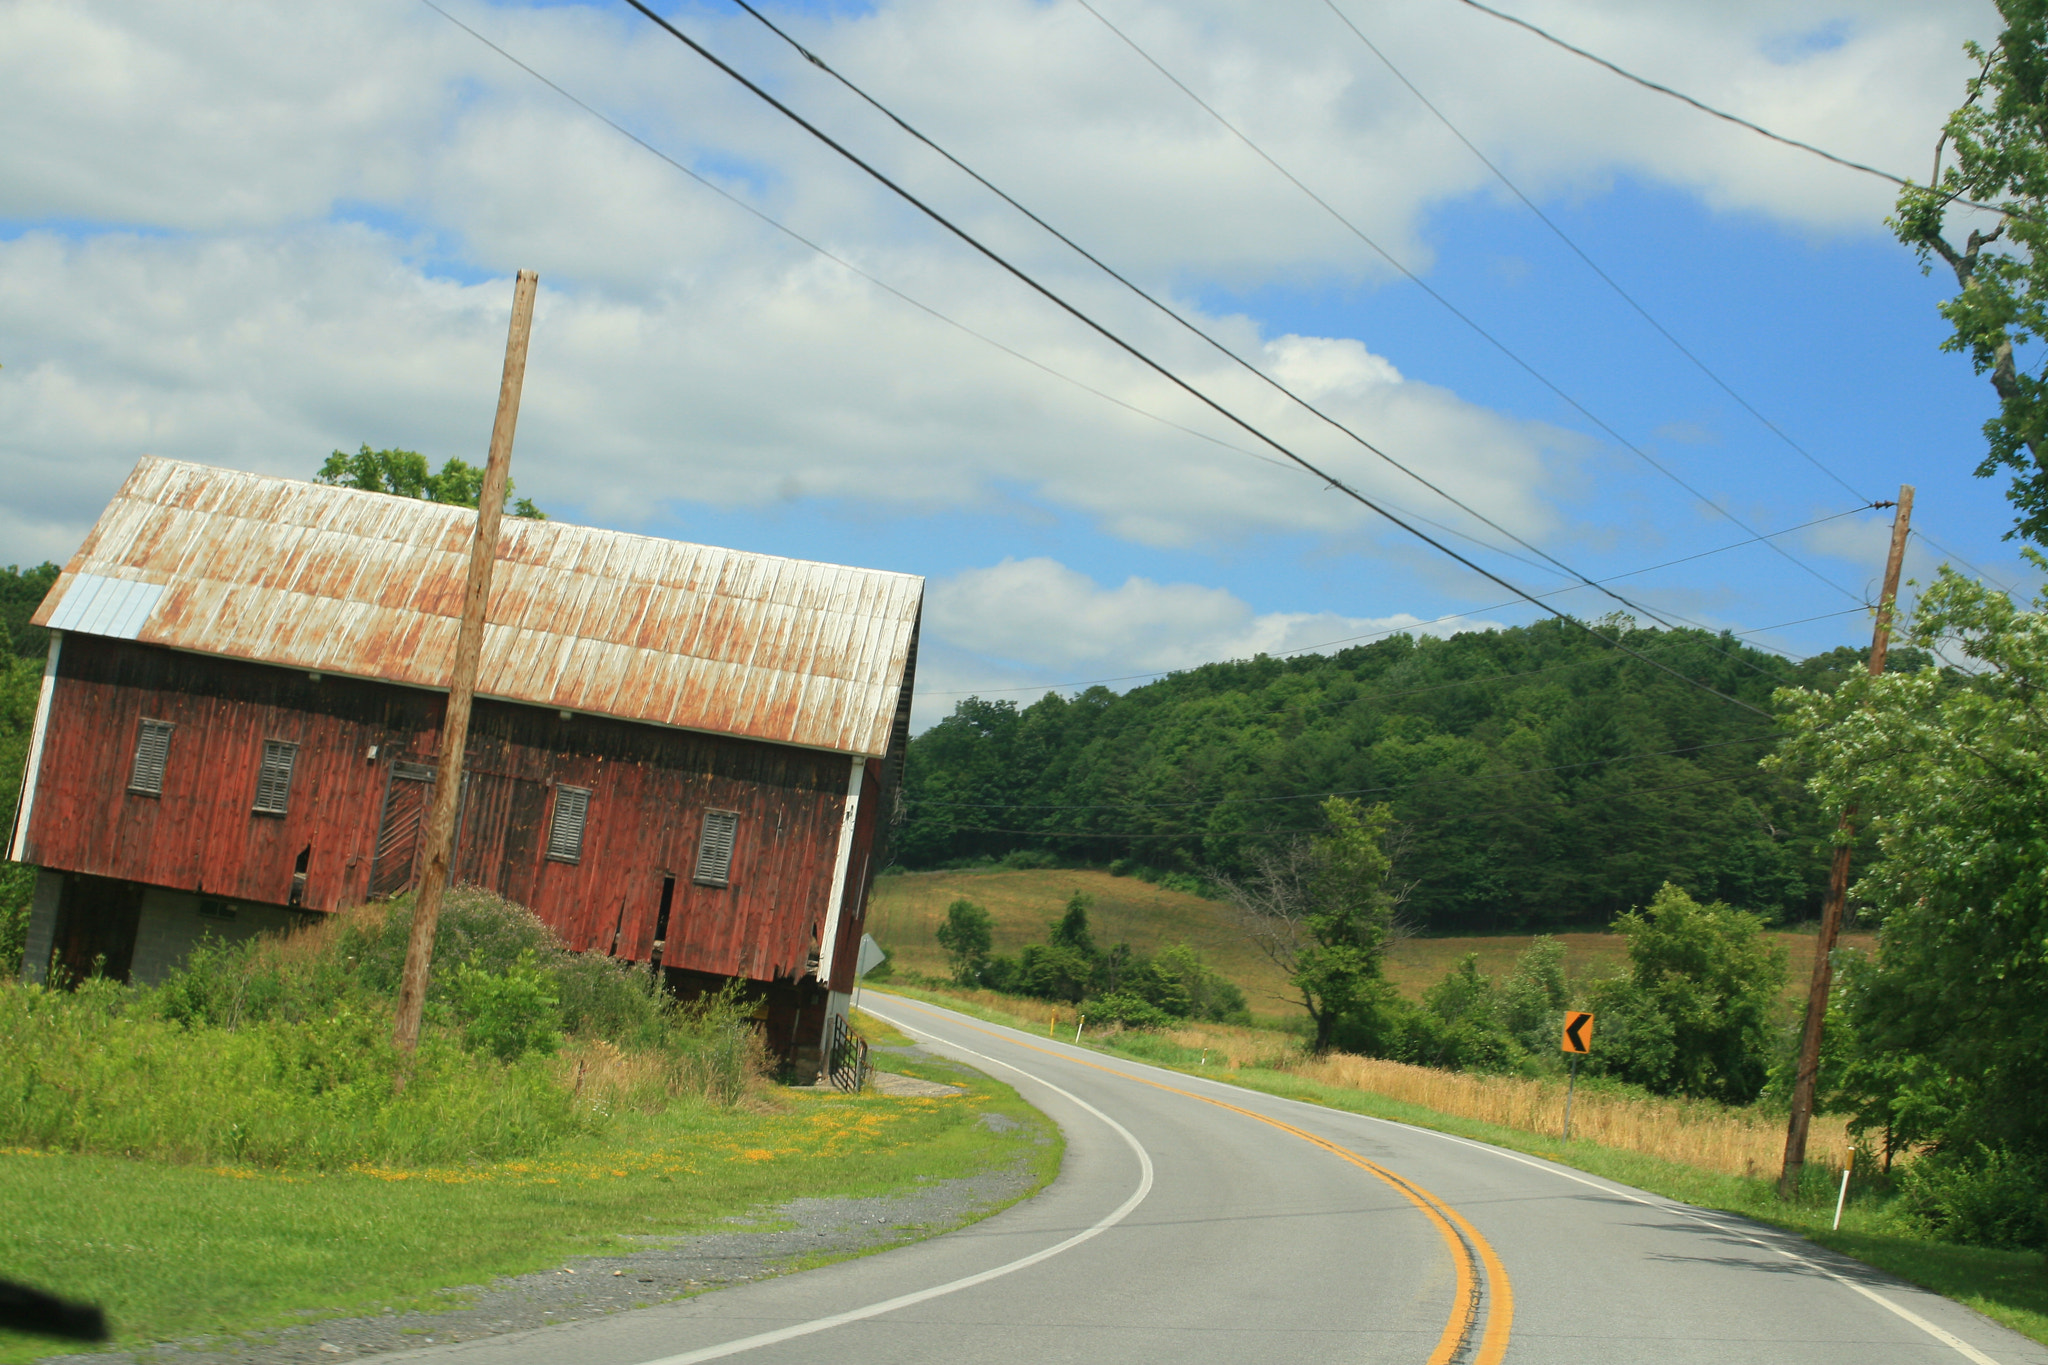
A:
{"x":406,"y":794}
{"x":96,"y":923}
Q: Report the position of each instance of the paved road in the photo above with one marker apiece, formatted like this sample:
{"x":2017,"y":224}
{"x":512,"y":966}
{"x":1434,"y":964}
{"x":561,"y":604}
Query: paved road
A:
{"x":1196,"y":1223}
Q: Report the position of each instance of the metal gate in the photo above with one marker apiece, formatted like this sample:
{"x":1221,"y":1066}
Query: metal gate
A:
{"x":846,"y":1056}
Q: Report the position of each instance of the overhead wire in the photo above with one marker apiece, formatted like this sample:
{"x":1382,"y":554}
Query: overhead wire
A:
{"x":1470,"y":322}
{"x":916,"y":303}
{"x":1721,"y":114}
{"x":1436,"y":620}
{"x":1133,"y":350}
{"x":1589,"y":262}
{"x":1175,"y":315}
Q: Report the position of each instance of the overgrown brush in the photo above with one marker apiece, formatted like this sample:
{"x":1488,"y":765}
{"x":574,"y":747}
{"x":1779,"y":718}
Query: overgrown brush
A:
{"x":277,"y":1051}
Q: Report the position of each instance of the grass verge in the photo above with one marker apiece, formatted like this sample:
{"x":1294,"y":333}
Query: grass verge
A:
{"x":2007,"y":1286}
{"x":178,"y":1251}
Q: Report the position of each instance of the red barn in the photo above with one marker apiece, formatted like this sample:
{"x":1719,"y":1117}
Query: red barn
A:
{"x":679,"y":755}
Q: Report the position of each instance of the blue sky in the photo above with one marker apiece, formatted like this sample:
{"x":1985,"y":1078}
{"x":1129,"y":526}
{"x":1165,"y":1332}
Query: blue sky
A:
{"x":249,"y":239}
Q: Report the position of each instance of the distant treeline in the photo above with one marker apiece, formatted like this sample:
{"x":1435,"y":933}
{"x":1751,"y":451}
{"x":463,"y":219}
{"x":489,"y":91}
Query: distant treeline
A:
{"x":1540,"y":777}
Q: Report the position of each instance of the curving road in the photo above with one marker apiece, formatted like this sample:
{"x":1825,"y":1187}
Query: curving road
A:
{"x":1194,"y":1222}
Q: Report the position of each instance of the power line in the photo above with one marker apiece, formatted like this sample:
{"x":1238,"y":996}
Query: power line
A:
{"x":1134,"y":352}
{"x":921,"y":306}
{"x":1590,"y":263}
{"x":814,"y":59}
{"x":1437,"y":620}
{"x":1951,"y":554}
{"x":941,"y":317}
{"x":1722,"y":114}
{"x":1450,"y":307}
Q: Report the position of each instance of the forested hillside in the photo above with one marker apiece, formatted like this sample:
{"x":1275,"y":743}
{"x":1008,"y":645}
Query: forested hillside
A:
{"x":1539,"y":777}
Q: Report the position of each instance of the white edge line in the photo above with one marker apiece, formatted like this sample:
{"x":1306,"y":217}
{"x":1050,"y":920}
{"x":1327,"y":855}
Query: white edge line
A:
{"x":1108,"y":1221}
{"x":1940,"y":1334}
{"x":1945,"y":1337}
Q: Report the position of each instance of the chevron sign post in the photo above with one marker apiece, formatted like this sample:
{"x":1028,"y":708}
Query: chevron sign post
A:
{"x":1578,"y":1041}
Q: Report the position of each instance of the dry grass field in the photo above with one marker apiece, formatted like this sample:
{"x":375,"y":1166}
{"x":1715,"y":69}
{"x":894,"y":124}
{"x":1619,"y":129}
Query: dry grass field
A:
{"x":906,"y":911}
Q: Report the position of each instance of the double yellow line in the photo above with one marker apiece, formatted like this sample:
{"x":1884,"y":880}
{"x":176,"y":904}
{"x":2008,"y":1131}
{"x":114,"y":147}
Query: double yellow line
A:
{"x":1483,"y":1287}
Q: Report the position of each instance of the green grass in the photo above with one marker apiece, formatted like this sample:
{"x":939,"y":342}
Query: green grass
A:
{"x":2007,"y":1286}
{"x":177,"y":1251}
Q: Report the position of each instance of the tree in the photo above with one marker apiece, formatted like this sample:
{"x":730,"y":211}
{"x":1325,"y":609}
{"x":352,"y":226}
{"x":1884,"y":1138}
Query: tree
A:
{"x":1950,"y":768}
{"x":1696,"y":1012}
{"x":1322,"y":908}
{"x":404,"y":474}
{"x":968,"y":940}
{"x":1996,"y":144}
{"x":21,"y":592}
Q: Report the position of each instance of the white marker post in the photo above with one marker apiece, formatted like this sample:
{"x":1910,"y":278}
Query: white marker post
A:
{"x":1843,"y":1197}
{"x":1079,"y":1024}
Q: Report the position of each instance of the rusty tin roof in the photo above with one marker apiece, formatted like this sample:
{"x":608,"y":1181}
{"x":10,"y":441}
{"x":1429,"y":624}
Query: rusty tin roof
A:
{"x":335,"y":580}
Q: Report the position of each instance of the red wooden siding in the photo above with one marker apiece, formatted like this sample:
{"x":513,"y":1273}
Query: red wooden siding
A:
{"x":649,"y":788}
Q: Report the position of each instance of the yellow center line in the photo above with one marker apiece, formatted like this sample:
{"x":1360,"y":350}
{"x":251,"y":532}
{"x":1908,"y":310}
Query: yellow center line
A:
{"x":1459,"y":1235}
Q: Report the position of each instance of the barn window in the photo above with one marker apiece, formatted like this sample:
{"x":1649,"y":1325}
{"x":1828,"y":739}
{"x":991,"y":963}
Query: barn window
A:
{"x":274,"y":782}
{"x":714,"y":848}
{"x":565,"y":836}
{"x":152,"y":747}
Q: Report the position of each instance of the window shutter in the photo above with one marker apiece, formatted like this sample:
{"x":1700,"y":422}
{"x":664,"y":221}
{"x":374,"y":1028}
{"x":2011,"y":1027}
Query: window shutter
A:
{"x":714,"y":848}
{"x":274,"y":782}
{"x":152,"y":747}
{"x":565,"y":835}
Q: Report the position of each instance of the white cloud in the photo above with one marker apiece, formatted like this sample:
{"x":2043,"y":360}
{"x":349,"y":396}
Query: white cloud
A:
{"x":686,"y":353}
{"x":775,"y":379}
{"x":1024,"y":626}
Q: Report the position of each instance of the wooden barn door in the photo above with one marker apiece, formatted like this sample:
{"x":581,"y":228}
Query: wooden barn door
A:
{"x":407,"y":793}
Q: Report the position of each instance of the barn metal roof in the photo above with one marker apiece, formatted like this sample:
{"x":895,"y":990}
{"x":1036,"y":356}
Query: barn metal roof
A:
{"x":335,"y":580}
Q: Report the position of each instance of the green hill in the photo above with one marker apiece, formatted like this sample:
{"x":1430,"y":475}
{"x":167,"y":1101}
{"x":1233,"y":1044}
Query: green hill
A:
{"x":1541,"y":778}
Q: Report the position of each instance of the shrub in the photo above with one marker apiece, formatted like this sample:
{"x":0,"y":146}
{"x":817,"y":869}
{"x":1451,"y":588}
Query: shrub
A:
{"x":1028,"y":860}
{"x":509,"y":1013}
{"x":1986,"y":1196}
{"x":1129,"y":1010}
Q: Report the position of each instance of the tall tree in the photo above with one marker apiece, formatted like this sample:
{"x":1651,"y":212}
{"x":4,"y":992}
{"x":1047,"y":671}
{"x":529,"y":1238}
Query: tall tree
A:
{"x":1322,"y":908}
{"x":1951,"y":769}
{"x":1994,"y":151}
{"x":406,"y":474}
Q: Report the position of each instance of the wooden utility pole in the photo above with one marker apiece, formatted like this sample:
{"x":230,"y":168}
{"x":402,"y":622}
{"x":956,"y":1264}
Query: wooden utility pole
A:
{"x":469,"y":644}
{"x":1808,"y":1074}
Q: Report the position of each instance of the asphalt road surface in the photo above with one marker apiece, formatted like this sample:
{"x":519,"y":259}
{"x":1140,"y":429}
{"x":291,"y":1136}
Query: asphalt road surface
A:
{"x":1194,"y":1222}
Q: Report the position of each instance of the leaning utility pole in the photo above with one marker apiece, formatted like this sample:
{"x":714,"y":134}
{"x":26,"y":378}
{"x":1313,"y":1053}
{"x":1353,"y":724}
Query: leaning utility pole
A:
{"x":1808,"y":1074}
{"x":469,"y":644}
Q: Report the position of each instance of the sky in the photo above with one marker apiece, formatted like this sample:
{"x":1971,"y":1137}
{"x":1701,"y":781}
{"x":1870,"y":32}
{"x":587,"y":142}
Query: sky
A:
{"x":249,"y":234}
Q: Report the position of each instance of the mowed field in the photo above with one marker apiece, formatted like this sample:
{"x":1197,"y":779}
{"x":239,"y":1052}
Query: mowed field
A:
{"x":907,"y":910}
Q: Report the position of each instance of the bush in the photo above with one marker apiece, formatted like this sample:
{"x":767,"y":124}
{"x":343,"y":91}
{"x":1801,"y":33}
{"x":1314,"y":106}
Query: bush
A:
{"x":1129,"y":1010}
{"x":1984,"y":1197}
{"x":509,"y":1013}
{"x":98,"y":1070}
{"x":1028,"y":860}
{"x":278,"y":1050}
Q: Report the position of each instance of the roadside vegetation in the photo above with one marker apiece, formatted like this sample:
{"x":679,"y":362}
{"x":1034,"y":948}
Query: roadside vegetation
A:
{"x":230,"y":1149}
